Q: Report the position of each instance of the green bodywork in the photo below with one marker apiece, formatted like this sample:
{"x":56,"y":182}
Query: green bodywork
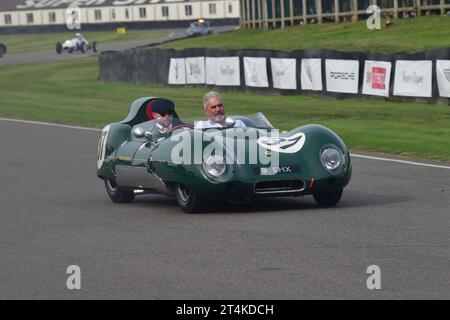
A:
{"x":153,"y":156}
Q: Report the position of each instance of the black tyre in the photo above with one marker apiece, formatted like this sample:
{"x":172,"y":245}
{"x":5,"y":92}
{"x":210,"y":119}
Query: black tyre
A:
{"x":328,"y":198}
{"x":59,"y":48}
{"x":188,"y":200}
{"x":118,"y":194}
{"x":70,"y":50}
{"x":94,"y":46}
{"x":83,"y":47}
{"x":2,"y":50}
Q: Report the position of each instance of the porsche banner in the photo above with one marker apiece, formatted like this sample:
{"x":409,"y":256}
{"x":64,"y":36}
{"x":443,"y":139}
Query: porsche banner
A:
{"x":284,"y":73}
{"x":195,"y":70}
{"x":311,"y":74}
{"x":413,"y":78}
{"x":443,"y":77}
{"x":223,"y":71}
{"x":342,"y":75}
{"x":255,"y":72}
{"x":177,"y":73}
{"x":377,"y":75}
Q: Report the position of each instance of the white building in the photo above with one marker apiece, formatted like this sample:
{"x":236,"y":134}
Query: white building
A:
{"x":159,"y":13}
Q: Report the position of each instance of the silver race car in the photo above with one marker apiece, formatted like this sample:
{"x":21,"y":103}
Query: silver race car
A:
{"x":79,"y":43}
{"x":200,"y":28}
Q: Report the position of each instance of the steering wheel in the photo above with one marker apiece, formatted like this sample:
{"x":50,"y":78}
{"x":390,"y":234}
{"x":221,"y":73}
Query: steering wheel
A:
{"x":181,"y":126}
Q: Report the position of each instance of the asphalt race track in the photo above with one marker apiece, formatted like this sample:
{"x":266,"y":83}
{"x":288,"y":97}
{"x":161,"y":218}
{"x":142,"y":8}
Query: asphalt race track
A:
{"x":55,"y":213}
{"x":51,"y":55}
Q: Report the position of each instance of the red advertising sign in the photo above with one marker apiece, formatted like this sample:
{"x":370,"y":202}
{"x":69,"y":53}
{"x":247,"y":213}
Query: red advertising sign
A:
{"x":377,"y":77}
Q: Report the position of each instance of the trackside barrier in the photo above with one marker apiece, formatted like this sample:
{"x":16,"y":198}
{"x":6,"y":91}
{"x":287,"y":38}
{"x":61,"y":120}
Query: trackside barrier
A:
{"x":423,"y":76}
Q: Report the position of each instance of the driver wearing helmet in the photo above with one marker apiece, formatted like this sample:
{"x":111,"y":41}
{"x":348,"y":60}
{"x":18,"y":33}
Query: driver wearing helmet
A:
{"x":80,"y":37}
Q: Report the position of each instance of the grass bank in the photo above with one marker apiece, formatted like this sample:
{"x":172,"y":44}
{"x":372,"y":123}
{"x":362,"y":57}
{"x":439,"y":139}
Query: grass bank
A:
{"x":69,"y":92}
{"x":406,"y":35}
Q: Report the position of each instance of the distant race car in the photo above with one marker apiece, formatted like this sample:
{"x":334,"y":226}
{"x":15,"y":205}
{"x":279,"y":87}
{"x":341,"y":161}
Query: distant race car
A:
{"x":79,"y":43}
{"x":2,"y":49}
{"x":134,"y":158}
{"x":199,"y":28}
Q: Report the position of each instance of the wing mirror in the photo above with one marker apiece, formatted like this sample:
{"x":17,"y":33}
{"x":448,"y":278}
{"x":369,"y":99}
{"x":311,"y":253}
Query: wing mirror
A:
{"x":229,"y":122}
{"x":139,"y":132}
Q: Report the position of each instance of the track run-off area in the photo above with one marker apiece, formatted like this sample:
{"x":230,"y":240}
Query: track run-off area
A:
{"x":52,"y":56}
{"x":55,"y":213}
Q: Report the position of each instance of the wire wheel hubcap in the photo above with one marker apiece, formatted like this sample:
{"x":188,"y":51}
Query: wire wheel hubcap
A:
{"x":111,"y":185}
{"x":184,"y":193}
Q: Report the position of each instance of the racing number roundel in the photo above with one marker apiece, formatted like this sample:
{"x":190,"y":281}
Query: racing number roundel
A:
{"x":102,"y":147}
{"x":290,"y":144}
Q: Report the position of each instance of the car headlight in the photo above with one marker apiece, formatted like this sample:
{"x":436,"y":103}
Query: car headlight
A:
{"x":216,"y":169}
{"x":215,"y":166}
{"x":331,"y":157}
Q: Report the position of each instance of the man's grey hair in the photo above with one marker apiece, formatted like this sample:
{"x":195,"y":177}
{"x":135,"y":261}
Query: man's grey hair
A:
{"x":210,"y":95}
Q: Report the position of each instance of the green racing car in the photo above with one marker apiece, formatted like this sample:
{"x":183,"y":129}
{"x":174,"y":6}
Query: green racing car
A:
{"x":199,"y":165}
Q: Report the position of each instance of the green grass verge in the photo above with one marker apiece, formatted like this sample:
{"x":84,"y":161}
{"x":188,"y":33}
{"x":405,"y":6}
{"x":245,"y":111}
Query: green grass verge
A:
{"x":36,"y":42}
{"x":70,"y":92}
{"x":406,"y":35}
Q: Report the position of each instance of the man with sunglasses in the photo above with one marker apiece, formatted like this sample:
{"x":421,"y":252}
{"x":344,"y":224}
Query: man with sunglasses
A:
{"x":163,"y":111}
{"x":214,"y":109}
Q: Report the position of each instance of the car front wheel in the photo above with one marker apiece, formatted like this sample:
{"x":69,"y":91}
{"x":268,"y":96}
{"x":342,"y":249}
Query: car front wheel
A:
{"x":117,"y":193}
{"x":328,"y":198}
{"x":188,"y":200}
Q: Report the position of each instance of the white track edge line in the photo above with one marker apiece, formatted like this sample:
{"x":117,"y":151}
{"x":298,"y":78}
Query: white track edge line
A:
{"x":50,"y":124}
{"x":353,"y":154}
{"x":401,"y":161}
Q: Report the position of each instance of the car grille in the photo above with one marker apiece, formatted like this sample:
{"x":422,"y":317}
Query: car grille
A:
{"x":279,"y":186}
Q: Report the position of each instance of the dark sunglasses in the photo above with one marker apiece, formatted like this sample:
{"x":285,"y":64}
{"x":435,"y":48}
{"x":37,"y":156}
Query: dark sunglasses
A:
{"x":166,"y":113}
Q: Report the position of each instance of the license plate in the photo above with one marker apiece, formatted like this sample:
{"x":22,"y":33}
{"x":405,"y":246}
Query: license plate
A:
{"x":270,"y":171}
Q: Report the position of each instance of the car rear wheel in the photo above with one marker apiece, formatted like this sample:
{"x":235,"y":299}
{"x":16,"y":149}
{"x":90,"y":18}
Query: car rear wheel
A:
{"x":2,"y":49}
{"x":59,"y":48}
{"x":188,"y":200}
{"x":117,"y":193}
{"x":328,"y":198}
{"x":94,"y":46}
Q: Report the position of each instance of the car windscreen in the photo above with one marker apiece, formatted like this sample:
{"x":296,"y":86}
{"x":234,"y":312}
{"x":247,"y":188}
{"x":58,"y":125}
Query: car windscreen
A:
{"x":256,"y":120}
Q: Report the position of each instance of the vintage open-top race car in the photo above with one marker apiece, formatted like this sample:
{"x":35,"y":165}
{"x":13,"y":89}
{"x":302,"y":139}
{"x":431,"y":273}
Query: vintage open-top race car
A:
{"x":79,"y":43}
{"x":195,"y":165}
{"x":200,"y":28}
